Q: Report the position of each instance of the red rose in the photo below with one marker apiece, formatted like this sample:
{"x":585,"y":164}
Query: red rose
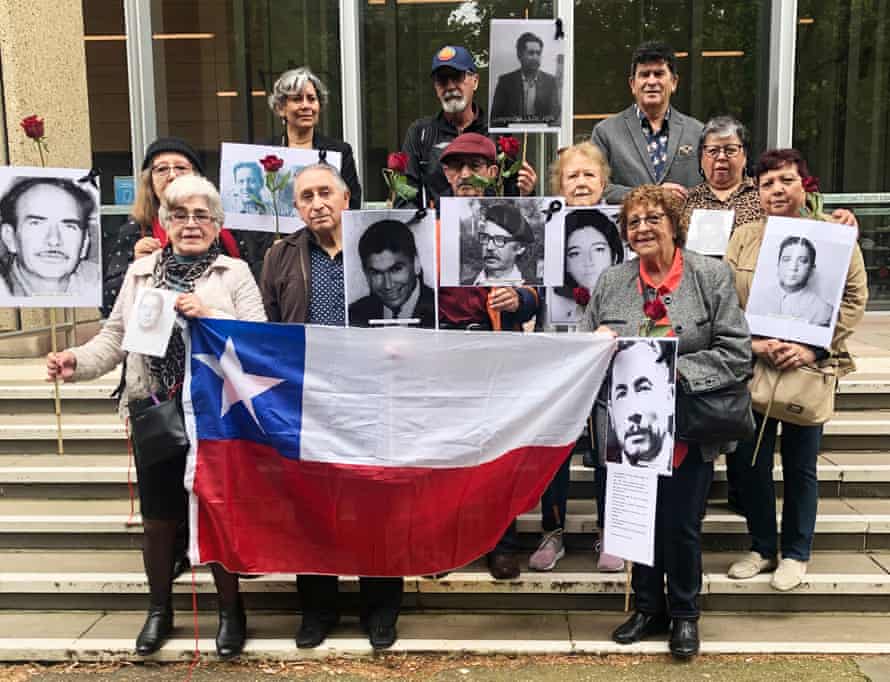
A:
{"x":811,"y":184}
{"x":582,"y":295}
{"x":654,"y":310}
{"x":397,"y":162}
{"x":33,"y":126}
{"x":271,"y":163}
{"x":509,"y":145}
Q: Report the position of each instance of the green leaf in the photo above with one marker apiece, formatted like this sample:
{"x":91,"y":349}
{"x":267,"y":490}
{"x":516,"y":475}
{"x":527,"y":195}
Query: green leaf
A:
{"x":659,"y":330}
{"x":479,"y":182}
{"x":512,"y":170}
{"x":403,"y":188}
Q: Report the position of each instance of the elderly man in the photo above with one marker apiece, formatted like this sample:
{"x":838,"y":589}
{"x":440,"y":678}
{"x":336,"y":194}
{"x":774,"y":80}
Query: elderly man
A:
{"x":302,"y":281}
{"x":395,"y":278}
{"x":455,"y":80}
{"x":527,"y":95}
{"x":493,"y":309}
{"x":46,"y":231}
{"x":504,"y":235}
{"x":650,"y":141}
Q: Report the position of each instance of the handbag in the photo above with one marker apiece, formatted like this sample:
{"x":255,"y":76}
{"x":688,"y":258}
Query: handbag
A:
{"x":158,"y":430}
{"x":718,"y":415}
{"x":802,"y":396}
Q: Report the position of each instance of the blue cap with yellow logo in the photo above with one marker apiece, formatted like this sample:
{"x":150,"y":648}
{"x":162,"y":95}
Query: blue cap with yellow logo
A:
{"x":454,"y":57}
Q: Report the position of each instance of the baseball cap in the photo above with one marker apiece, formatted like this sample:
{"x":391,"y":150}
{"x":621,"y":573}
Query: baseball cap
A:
{"x":454,"y":57}
{"x":471,"y":143}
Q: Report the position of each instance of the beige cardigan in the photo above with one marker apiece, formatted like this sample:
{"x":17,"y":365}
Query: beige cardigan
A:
{"x":227,"y":288}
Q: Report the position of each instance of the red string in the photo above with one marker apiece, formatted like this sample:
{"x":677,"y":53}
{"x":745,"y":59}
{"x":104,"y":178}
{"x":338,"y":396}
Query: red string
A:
{"x":197,"y":657}
{"x":130,"y":473}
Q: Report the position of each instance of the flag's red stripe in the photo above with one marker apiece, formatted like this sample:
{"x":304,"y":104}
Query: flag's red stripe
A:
{"x":259,"y":512}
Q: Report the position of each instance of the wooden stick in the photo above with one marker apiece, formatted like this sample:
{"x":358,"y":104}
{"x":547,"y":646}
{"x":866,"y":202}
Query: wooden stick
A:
{"x":57,"y":395}
{"x":628,"y":575}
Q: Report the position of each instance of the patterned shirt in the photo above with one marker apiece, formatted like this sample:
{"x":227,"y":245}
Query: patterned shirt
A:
{"x":656,"y":143}
{"x":745,"y":201}
{"x":326,"y":300}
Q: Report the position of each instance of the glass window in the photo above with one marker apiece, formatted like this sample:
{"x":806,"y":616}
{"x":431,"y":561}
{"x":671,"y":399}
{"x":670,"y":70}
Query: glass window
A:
{"x":721,"y":45}
{"x":399,"y":40}
{"x":842,"y":116}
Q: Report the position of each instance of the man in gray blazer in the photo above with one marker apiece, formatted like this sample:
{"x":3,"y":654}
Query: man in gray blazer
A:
{"x":650,"y":142}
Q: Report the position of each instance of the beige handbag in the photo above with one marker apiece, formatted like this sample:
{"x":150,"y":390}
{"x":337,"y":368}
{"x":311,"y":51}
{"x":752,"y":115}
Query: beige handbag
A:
{"x":802,"y":396}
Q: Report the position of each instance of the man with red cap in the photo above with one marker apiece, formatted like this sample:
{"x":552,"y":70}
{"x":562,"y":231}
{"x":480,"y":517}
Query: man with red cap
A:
{"x":494,"y":309}
{"x":455,"y":80}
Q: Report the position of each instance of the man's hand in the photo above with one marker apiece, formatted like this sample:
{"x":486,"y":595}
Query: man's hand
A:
{"x":526,"y":179}
{"x":679,"y":190}
{"x":504,"y":299}
{"x":145,"y":247}
{"x":60,"y":365}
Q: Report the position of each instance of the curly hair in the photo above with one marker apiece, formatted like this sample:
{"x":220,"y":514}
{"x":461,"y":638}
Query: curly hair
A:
{"x":658,"y":196}
{"x":586,"y":149}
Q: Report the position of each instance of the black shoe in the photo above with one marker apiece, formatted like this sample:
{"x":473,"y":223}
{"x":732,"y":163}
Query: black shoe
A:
{"x":232,"y":631}
{"x":181,"y":564}
{"x":639,"y":626}
{"x":158,"y":626}
{"x":382,"y":635}
{"x":503,"y":566}
{"x":684,"y":638}
{"x":313,"y":631}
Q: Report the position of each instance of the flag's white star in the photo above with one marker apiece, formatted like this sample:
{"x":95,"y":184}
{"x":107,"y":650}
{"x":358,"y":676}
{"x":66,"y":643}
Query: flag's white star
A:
{"x":238,"y":386}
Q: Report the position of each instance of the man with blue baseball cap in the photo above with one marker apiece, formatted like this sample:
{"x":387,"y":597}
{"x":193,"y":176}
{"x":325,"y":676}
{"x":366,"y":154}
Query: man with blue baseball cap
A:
{"x":455,"y":80}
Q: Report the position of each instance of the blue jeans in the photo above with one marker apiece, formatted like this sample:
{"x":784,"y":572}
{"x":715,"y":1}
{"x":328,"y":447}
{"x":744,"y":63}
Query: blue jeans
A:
{"x":555,"y":498}
{"x":757,"y":491}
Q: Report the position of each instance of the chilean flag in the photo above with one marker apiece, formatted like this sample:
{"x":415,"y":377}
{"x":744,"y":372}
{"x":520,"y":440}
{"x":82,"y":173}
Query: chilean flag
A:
{"x":375,"y":452}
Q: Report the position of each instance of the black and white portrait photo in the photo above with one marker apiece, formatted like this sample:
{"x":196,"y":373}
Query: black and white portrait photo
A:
{"x":389,"y":260}
{"x":49,"y":238}
{"x":525,"y":87}
{"x":709,"y":231}
{"x":592,"y":244}
{"x":502,"y":241}
{"x":799,"y":280}
{"x":246,"y":197}
{"x":641,"y":404}
{"x":151,"y":322}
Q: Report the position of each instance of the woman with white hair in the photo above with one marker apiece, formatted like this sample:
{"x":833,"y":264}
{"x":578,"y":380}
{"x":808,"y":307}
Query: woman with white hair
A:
{"x":209,"y":284}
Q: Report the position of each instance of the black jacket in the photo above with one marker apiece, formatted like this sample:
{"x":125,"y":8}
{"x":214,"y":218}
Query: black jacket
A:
{"x":371,"y":308}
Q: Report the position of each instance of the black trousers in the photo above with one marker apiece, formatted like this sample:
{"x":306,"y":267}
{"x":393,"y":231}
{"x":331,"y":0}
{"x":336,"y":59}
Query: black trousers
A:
{"x":381,"y":598}
{"x":678,"y":518}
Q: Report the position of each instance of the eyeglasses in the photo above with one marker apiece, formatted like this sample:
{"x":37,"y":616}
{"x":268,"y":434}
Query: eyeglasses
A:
{"x":164,"y":171}
{"x":713,"y":150}
{"x":498,"y":240}
{"x":443,"y":78}
{"x":202,"y":218}
{"x":652,"y":220}
{"x":476,"y":165}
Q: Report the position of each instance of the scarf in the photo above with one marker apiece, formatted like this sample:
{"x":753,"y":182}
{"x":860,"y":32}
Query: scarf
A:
{"x":169,"y":371}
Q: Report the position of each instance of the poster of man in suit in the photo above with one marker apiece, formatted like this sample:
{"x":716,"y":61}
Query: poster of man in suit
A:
{"x":527,"y":98}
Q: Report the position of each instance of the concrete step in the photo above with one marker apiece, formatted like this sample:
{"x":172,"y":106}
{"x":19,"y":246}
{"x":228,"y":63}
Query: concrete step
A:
{"x":98,"y":636}
{"x":851,"y":524}
{"x":105,"y":476}
{"x":114,"y":580}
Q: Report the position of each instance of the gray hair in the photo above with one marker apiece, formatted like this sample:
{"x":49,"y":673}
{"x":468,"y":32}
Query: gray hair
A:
{"x":724,"y":126}
{"x":292,"y":83}
{"x":188,"y":186}
{"x":321,"y":165}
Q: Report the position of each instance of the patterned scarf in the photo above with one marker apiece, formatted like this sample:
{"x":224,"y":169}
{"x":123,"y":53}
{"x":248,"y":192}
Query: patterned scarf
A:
{"x":169,"y":371}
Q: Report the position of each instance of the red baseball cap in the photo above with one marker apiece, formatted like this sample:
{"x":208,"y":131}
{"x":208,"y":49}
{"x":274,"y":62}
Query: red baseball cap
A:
{"x":471,"y":144}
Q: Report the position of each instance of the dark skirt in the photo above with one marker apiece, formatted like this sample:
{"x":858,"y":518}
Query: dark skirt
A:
{"x":162,"y":492}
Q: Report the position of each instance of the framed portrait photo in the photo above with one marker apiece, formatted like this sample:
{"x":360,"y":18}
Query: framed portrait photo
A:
{"x":799,"y":280}
{"x":390,"y":268}
{"x":50,"y":238}
{"x":246,"y":197}
{"x":525,"y":75}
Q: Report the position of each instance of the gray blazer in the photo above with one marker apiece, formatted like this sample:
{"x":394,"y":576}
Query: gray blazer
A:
{"x":621,"y":139}
{"x":714,"y":345}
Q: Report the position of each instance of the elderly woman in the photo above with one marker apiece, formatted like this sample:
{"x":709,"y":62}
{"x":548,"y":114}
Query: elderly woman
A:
{"x":166,"y":159}
{"x":780,"y":177}
{"x":579,"y":174}
{"x":209,"y":284}
{"x":713,"y":351}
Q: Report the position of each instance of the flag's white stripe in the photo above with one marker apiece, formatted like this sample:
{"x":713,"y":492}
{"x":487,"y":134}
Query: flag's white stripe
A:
{"x":396,"y":397}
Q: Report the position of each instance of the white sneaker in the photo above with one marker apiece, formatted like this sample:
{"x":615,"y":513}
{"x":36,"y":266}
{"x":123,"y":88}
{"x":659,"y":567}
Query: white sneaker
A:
{"x":750,"y":565}
{"x":789,"y":574}
{"x":548,"y":553}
